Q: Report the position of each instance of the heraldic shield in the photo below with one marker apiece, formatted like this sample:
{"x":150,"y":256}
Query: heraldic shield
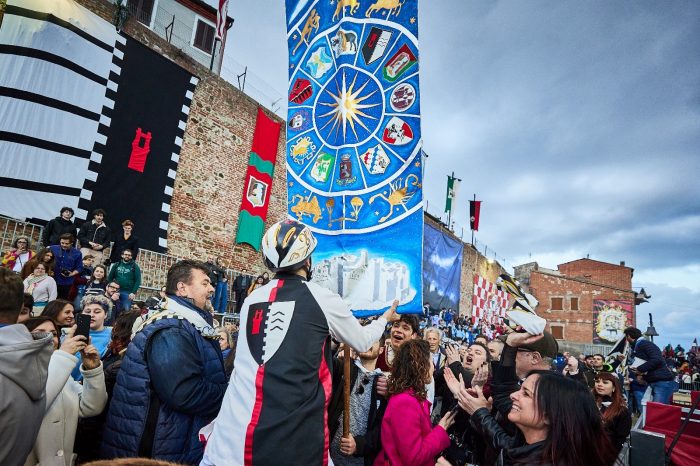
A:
{"x":267,"y":327}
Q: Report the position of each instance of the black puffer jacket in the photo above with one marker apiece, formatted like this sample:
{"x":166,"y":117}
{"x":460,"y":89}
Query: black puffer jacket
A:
{"x":55,"y":228}
{"x":513,"y":449}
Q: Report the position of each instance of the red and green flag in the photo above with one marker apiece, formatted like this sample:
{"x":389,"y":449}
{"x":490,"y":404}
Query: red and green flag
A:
{"x":258,"y":181}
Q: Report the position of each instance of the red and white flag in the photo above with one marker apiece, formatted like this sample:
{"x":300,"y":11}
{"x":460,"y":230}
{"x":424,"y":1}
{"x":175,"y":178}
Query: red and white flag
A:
{"x":221,"y":20}
{"x":488,"y":302}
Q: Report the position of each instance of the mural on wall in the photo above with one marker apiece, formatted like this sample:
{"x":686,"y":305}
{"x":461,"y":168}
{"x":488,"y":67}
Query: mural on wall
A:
{"x":442,"y":268}
{"x":610,"y":318}
{"x":354,"y":168}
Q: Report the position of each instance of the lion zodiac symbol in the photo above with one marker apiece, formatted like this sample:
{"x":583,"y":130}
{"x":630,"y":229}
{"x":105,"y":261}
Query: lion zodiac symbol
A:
{"x":307,"y":206}
{"x":398,"y":194}
{"x":312,"y":23}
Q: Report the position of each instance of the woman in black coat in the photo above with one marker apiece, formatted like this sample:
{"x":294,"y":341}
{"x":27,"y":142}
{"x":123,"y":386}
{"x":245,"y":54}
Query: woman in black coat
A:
{"x":616,"y":417}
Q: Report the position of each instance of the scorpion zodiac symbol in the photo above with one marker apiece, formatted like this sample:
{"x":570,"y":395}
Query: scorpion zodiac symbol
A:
{"x":398,"y":195}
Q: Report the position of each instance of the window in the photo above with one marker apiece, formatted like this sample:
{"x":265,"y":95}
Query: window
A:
{"x":557,"y":304}
{"x":142,"y":10}
{"x":204,"y":36}
{"x":574,"y":304}
{"x":557,"y":331}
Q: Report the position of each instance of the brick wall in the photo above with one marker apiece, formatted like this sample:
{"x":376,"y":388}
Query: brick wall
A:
{"x":577,"y":325}
{"x":618,"y":276}
{"x":213,"y":160}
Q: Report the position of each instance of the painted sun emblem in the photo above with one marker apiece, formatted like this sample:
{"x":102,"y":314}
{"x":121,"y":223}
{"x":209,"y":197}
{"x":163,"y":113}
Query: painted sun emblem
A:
{"x":347,"y":107}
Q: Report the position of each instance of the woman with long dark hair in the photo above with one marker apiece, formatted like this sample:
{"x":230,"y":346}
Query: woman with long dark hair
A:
{"x":408,"y":437}
{"x":616,"y":417}
{"x":60,"y":311}
{"x":44,"y":256}
{"x":558,"y":423}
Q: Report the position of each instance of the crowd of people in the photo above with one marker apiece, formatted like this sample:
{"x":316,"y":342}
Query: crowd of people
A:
{"x":170,"y":382}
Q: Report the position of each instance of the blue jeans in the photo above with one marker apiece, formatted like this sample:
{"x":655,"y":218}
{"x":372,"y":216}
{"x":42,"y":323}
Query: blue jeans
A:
{"x":634,"y":401}
{"x":663,"y":391}
{"x":220,"y":299}
{"x":125,"y":302}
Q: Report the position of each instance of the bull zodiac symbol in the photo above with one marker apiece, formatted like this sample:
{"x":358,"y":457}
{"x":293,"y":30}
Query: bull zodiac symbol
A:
{"x":312,"y":23}
{"x":356,"y":204}
{"x":398,"y":194}
{"x":353,"y":4}
{"x":308,"y":206}
{"x":394,"y":7}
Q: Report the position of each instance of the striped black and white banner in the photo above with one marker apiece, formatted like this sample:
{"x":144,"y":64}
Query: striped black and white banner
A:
{"x":73,"y":92}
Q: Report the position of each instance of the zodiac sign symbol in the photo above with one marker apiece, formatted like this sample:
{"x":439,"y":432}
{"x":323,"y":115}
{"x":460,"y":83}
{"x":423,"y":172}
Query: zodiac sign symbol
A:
{"x":353,"y":4}
{"x":399,"y":195}
{"x":303,"y":149}
{"x":307,"y":206}
{"x":356,"y":203}
{"x":312,"y":23}
{"x":394,"y":7}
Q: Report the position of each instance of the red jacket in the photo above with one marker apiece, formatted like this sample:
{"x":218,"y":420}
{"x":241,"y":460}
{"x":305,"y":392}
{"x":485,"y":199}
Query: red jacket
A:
{"x":408,"y":437}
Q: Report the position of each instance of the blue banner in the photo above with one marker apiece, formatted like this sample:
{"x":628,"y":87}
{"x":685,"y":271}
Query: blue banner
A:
{"x":354,"y":167}
{"x":442,"y":269}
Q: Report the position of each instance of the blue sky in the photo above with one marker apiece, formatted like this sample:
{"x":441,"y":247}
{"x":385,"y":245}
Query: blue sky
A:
{"x":576,"y":123}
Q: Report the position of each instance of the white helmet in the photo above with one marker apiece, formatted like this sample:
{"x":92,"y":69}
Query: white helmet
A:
{"x":286,"y":245}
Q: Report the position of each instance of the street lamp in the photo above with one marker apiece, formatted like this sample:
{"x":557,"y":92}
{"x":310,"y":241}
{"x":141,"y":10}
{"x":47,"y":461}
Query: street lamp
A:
{"x":651,"y":331}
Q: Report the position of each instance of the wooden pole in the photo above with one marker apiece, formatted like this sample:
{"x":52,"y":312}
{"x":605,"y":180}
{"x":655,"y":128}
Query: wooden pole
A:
{"x":346,"y":391}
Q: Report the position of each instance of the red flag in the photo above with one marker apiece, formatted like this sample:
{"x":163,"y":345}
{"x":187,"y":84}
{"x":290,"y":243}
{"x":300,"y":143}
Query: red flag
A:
{"x":221,"y":20}
{"x":474,"y":209}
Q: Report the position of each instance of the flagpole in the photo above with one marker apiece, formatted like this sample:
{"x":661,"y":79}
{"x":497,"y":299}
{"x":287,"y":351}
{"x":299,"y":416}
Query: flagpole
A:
{"x":472,"y":226}
{"x":213,"y":53}
{"x":449,"y":212}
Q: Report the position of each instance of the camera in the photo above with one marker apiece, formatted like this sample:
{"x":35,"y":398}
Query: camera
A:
{"x":65,"y":272}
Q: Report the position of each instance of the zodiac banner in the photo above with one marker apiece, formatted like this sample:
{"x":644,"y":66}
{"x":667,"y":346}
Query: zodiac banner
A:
{"x":610,"y":318}
{"x":353,"y":146}
{"x":442,"y":268}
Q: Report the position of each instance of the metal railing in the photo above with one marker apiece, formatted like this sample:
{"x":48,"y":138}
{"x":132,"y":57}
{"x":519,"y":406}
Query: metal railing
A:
{"x":11,"y":228}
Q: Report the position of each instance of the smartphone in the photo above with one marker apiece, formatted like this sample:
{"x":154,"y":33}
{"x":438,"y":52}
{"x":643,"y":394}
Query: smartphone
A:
{"x":83,"y":322}
{"x":454,"y":408}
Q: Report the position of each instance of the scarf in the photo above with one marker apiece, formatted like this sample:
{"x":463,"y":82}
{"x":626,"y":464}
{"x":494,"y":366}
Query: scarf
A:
{"x":172,"y":309}
{"x":33,"y":281}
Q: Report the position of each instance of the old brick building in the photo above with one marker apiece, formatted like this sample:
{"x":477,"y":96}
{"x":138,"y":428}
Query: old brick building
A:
{"x":584,"y":301}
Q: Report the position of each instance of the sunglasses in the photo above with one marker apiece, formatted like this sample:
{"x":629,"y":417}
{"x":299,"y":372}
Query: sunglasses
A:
{"x":361,"y":389}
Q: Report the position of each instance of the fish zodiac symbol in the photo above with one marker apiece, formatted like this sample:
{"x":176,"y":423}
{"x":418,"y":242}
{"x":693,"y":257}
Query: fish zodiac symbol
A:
{"x":398,"y":194}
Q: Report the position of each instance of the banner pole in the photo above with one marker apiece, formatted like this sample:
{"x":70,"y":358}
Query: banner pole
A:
{"x":346,"y":392}
{"x":213,"y":54}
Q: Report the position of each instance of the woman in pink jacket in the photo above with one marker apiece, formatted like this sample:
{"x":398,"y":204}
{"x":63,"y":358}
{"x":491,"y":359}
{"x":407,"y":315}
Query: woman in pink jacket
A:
{"x":408,"y":437}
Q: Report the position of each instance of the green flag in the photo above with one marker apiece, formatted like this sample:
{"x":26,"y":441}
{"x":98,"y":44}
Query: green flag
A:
{"x":452,"y":186}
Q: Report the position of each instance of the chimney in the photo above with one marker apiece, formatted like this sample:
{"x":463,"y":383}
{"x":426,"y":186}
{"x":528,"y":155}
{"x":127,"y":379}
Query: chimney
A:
{"x":622,"y":263}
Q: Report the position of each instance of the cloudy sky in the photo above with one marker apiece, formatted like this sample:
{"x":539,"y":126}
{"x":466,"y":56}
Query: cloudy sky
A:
{"x":576,"y":123}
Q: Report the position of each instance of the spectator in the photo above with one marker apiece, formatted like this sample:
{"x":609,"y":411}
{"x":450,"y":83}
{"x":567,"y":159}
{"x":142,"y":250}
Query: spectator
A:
{"x":403,"y":330}
{"x":225,"y":342}
{"x":97,"y":283}
{"x":123,"y":242}
{"x":81,"y":281}
{"x":98,"y":308}
{"x":59,"y":226}
{"x":112,"y":292}
{"x":69,"y":264}
{"x":367,"y":408}
{"x":408,"y":437}
{"x":257,"y":283}
{"x":89,"y":433}
{"x":27,"y":305}
{"x":240,"y":290}
{"x":597,"y":363}
{"x":128,"y":274}
{"x":44,"y":256}
{"x":19,"y":254}
{"x":616,"y":418}
{"x":61,"y":311}
{"x":24,"y":360}
{"x":173,"y":368}
{"x":557,"y":421}
{"x":638,"y":388}
{"x":220,"y":299}
{"x":653,"y":370}
{"x":41,"y":287}
{"x":67,"y":400}
{"x":43,"y":324}
{"x":579,"y":371}
{"x":94,"y":236}
{"x":495,"y":347}
{"x":285,"y":373}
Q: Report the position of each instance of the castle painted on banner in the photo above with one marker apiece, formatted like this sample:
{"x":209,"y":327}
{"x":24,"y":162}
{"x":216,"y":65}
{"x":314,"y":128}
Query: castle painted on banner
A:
{"x":377,"y":280}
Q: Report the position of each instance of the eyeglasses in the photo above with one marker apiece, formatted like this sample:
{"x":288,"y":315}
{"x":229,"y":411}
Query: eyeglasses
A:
{"x":21,"y":242}
{"x":361,"y":389}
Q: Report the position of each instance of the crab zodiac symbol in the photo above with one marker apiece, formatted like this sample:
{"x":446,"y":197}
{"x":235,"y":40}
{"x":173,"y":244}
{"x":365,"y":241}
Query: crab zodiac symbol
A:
{"x":398,"y":195}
